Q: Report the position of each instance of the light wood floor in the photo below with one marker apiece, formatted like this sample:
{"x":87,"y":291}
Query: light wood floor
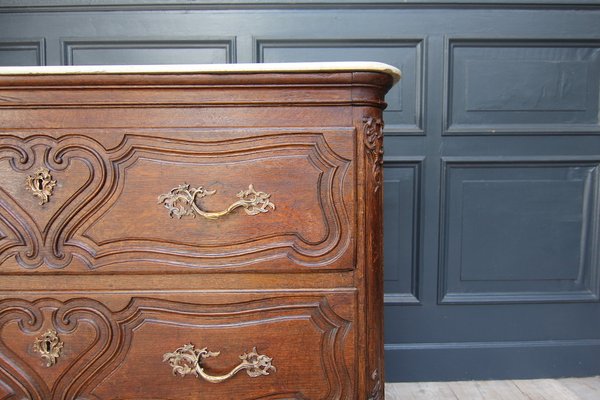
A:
{"x":539,"y":389}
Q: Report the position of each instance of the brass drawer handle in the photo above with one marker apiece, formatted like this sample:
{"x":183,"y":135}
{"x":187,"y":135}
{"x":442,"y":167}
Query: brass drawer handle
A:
{"x":187,"y":360}
{"x":181,"y":201}
{"x":49,"y":346}
{"x":41,"y":184}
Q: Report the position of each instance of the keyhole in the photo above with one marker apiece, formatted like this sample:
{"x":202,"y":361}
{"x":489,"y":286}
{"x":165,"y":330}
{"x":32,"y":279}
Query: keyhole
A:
{"x":47,"y":345}
{"x":39,"y":184}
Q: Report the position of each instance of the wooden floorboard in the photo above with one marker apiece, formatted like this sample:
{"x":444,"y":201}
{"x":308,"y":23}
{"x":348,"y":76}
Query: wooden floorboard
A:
{"x":537,"y":389}
{"x":584,"y":389}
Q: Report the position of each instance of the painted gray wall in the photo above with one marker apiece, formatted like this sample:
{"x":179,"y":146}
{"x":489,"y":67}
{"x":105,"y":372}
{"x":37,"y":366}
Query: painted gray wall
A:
{"x":492,"y":188}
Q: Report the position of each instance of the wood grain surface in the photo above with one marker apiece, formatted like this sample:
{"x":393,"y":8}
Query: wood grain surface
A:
{"x":123,"y":267}
{"x":537,"y":389}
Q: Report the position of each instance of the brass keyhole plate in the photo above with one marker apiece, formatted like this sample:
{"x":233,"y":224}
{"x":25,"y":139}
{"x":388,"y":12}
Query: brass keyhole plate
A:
{"x":49,"y":346}
{"x":41,"y":184}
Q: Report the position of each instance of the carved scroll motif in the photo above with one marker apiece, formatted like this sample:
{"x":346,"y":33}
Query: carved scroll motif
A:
{"x":377,"y":390}
{"x":373,"y":131}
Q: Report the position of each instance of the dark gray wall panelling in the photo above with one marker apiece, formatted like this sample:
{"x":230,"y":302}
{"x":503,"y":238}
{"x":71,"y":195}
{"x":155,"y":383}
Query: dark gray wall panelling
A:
{"x":109,"y":5}
{"x":405,"y":101}
{"x":492,"y":210}
{"x":522,"y":86}
{"x":22,"y":52}
{"x":402,"y":241}
{"x":159,"y":51}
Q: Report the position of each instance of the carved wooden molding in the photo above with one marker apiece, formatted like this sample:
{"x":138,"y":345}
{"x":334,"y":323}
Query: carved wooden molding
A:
{"x":377,"y":390}
{"x":74,"y":228}
{"x":103,"y":353}
{"x":373,"y":131}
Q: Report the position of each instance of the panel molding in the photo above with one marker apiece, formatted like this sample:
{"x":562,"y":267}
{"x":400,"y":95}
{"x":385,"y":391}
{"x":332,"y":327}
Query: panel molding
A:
{"x":419,"y":43}
{"x":94,"y":361}
{"x":416,"y":164}
{"x":590,"y":233}
{"x":68,"y":46}
{"x":492,"y":344}
{"x":474,"y":360}
{"x":75,"y":227}
{"x":120,"y":5}
{"x":32,"y":44}
{"x":450,"y":42}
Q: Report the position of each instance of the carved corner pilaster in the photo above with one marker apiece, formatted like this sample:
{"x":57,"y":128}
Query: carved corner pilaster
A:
{"x":376,"y":392}
{"x":373,"y":139}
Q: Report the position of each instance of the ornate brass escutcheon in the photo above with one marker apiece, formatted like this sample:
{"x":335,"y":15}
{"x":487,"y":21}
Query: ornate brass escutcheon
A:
{"x":181,"y":202}
{"x":187,"y":360}
{"x":49,"y":346}
{"x":41,"y":184}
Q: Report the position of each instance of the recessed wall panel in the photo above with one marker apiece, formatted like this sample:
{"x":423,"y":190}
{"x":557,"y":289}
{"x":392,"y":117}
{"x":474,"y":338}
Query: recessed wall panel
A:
{"x":22,"y":52}
{"x":405,"y":100}
{"x":147,"y":51}
{"x":522,"y":86}
{"x":520,"y":231}
{"x":401,"y":230}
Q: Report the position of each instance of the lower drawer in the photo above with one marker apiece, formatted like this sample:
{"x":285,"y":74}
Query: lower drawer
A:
{"x":193,"y":346}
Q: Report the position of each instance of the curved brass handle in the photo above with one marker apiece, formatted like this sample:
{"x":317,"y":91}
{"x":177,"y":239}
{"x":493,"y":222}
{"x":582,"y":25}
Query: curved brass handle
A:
{"x":181,"y":201}
{"x":187,"y":360}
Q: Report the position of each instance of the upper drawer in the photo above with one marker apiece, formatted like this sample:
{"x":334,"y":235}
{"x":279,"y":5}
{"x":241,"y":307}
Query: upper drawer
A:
{"x":228,"y":199}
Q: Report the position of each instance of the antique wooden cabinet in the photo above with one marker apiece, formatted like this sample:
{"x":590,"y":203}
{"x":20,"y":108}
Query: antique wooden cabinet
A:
{"x":192,"y":232}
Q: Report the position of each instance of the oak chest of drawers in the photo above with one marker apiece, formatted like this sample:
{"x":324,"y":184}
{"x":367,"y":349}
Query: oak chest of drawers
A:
{"x":196,"y":232}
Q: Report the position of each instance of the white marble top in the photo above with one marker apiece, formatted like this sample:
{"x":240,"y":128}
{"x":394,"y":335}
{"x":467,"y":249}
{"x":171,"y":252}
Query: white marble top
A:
{"x":208,"y":68}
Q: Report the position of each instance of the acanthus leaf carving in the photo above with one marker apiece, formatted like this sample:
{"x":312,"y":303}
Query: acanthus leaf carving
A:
{"x":373,"y":139}
{"x":376,"y":392}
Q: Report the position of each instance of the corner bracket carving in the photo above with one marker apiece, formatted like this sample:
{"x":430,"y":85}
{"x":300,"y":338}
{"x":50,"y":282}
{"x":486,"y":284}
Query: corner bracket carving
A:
{"x":377,"y":390}
{"x":373,"y":131}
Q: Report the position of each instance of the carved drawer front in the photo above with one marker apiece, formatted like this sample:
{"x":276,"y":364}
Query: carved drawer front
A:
{"x":239,"y":199}
{"x":283,"y":347}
